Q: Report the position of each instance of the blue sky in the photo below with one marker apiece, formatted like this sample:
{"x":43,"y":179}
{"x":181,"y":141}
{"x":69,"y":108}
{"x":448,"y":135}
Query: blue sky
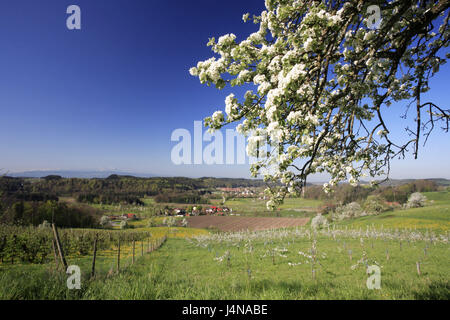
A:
{"x":108,"y":96}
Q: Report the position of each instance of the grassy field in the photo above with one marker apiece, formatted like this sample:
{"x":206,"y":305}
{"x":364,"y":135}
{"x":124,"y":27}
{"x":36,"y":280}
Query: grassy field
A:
{"x":435,"y":216}
{"x":292,"y":207}
{"x":45,"y":281}
{"x":183,"y":270}
{"x":274,"y":264}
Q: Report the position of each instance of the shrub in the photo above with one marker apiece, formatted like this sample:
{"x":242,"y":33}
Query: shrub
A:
{"x":416,"y":200}
{"x":351,"y":210}
{"x":170,"y":221}
{"x":105,"y":222}
{"x":319,"y":221}
{"x":375,"y":205}
{"x":124,"y":224}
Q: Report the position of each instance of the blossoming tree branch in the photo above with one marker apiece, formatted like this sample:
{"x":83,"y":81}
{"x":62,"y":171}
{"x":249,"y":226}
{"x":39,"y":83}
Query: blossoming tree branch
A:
{"x":323,"y":83}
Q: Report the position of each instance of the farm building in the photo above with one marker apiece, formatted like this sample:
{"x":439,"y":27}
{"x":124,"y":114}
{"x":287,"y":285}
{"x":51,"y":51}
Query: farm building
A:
{"x":179,"y":211}
{"x":129,"y":216}
{"x":218,"y":210}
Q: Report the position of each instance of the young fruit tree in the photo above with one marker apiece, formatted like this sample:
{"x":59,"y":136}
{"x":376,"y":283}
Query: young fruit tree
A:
{"x":324,"y":75}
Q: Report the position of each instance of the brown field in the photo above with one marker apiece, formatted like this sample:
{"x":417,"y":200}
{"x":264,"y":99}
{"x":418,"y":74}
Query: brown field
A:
{"x":244,"y":223}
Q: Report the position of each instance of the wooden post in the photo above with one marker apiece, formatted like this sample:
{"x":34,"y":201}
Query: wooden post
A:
{"x":133,"y":251}
{"x":59,"y":247}
{"x":14,"y":248}
{"x":142,"y":248}
{"x":95,"y":255}
{"x":3,"y":245}
{"x":118,"y":256}
{"x":148,"y":245}
{"x":55,"y":255}
{"x":418,"y":267}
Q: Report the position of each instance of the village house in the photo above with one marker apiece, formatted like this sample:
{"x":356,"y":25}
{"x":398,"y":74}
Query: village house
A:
{"x":218,"y":210}
{"x":128,"y":216}
{"x":227,"y":210}
{"x":179,"y":212}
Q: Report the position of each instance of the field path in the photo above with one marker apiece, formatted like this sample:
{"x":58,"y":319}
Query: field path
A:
{"x":244,"y":223}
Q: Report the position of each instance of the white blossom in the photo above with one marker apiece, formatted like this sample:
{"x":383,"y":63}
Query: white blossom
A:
{"x":318,"y":76}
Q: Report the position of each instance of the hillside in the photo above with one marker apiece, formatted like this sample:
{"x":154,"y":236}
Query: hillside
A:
{"x":435,"y":216}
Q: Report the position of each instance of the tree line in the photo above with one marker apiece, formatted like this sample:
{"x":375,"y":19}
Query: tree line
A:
{"x":64,"y":215}
{"x":30,"y":201}
{"x":345,"y":193}
{"x":115,"y":185}
{"x":194,"y":197}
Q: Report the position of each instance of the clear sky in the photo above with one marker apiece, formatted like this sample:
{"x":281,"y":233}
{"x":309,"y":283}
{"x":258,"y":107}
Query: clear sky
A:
{"x":109,"y":96}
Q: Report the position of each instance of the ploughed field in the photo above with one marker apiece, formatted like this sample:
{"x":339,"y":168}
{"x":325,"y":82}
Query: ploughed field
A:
{"x":229,"y":223}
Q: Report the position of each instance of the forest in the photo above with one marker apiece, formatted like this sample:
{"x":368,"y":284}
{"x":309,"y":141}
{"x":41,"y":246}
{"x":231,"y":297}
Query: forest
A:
{"x":29,"y":201}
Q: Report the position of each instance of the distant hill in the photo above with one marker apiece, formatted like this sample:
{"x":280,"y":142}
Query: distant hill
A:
{"x":117,"y":187}
{"x":76,"y":174}
{"x":398,"y":182}
{"x":211,"y":180}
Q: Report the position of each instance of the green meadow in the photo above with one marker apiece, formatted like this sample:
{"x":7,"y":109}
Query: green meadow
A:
{"x":410,"y":248}
{"x":435,"y":216}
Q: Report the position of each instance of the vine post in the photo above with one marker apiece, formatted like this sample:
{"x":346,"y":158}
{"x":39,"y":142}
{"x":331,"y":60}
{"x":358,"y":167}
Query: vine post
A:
{"x":59,"y":247}
{"x":94,"y":255}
